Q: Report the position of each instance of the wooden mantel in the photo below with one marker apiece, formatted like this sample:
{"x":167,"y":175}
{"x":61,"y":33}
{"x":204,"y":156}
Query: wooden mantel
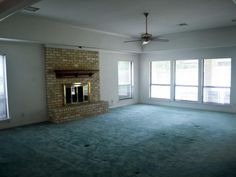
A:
{"x":74,"y":73}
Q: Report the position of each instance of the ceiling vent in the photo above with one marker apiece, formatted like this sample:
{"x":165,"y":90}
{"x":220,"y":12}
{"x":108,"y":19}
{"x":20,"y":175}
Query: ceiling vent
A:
{"x":183,"y":24}
{"x":31,"y":9}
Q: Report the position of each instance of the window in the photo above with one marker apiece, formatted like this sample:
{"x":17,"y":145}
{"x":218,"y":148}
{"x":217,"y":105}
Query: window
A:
{"x":3,"y":89}
{"x":217,"y":80}
{"x":125,"y":79}
{"x":186,"y":80}
{"x":160,"y":79}
{"x":202,"y":80}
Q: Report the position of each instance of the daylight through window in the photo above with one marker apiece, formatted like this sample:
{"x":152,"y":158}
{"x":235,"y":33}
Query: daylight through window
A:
{"x":199,"y":80}
{"x":3,"y":89}
{"x":125,"y":79}
{"x":186,"y":80}
{"x":160,"y":79}
{"x":217,"y":80}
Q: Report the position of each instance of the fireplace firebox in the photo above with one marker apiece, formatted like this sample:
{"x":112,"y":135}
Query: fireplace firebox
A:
{"x":76,"y":93}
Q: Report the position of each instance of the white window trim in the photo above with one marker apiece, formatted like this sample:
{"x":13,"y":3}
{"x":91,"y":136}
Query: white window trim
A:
{"x":202,"y":86}
{"x":132,"y":80}
{"x":150,"y":81}
{"x":5,"y":89}
{"x":200,"y":83}
{"x":175,"y":85}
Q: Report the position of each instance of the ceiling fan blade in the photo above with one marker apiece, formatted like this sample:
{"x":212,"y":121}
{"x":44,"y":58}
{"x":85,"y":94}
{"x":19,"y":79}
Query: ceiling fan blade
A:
{"x":160,"y":40}
{"x":137,"y":40}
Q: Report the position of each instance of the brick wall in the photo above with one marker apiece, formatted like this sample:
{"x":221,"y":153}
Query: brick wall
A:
{"x":71,"y":59}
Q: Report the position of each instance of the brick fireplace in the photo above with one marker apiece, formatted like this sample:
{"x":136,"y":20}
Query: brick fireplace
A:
{"x":72,"y":84}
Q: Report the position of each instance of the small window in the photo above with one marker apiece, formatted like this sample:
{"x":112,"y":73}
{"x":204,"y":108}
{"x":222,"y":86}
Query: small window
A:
{"x":217,"y":80}
{"x":186,"y":80}
{"x":125,"y":79}
{"x":3,"y":89}
{"x":160,"y":79}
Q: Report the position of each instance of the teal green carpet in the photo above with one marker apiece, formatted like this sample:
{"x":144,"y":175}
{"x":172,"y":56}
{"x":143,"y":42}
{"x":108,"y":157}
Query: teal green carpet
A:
{"x":138,"y":140}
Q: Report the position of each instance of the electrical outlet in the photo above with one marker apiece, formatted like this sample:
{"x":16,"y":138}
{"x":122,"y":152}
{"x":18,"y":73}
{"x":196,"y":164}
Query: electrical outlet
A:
{"x":111,"y":101}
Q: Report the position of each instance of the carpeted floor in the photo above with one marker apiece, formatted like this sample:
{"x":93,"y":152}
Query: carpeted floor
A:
{"x":138,"y":140}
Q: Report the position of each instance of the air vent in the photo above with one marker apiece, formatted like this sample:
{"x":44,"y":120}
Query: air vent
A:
{"x":31,"y":9}
{"x":183,"y":24}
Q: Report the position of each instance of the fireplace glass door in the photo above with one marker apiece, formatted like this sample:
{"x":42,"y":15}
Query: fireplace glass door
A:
{"x":76,"y":93}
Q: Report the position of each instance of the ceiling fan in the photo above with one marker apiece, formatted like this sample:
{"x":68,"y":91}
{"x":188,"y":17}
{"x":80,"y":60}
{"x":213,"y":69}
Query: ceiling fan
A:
{"x":145,"y":38}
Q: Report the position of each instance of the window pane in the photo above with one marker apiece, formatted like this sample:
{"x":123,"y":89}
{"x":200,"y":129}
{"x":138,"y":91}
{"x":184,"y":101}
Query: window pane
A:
{"x":187,"y":72}
{"x":160,"y":72}
{"x":217,"y":95}
{"x":217,"y":72}
{"x":186,"y":93}
{"x":124,"y":72}
{"x":160,"y":92}
{"x":125,"y":79}
{"x":3,"y":104}
{"x":125,"y":91}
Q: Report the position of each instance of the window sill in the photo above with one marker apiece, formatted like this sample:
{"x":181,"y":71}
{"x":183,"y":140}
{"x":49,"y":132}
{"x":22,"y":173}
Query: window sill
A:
{"x":187,"y":101}
{"x":122,"y":99}
{"x":216,"y":104}
{"x":190,"y":102}
{"x":160,"y":99}
{"x":4,"y":119}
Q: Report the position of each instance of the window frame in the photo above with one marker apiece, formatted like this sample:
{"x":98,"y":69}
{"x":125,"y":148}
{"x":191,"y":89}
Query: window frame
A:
{"x":203,"y":86}
{"x":200,"y":87}
{"x":188,"y":86}
{"x":151,"y":84}
{"x":5,"y":89}
{"x":132,"y":80}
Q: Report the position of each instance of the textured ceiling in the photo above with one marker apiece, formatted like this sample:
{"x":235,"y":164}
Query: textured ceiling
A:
{"x":125,"y":16}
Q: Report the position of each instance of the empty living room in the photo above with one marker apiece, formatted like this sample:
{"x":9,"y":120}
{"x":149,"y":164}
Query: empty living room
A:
{"x":117,"y":88}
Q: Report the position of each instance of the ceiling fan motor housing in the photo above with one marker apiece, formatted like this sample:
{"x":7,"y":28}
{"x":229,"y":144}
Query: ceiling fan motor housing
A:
{"x":146,"y":37}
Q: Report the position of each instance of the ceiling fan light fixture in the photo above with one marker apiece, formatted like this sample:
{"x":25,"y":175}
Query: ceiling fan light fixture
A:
{"x":145,"y":42}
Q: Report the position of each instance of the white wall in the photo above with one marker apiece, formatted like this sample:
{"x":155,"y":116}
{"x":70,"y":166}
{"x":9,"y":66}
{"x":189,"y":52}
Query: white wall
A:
{"x":26,"y":83}
{"x":109,"y":77}
{"x":228,"y":52}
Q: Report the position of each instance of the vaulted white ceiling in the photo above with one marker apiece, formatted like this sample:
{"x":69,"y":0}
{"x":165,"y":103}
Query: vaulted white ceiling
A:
{"x":125,"y":16}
